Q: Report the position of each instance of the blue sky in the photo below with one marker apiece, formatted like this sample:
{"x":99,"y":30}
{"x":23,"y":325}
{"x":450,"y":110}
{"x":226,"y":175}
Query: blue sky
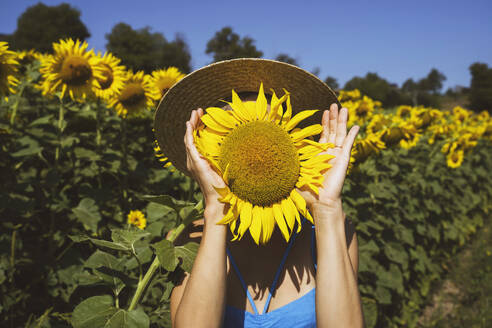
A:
{"x":396,"y":39}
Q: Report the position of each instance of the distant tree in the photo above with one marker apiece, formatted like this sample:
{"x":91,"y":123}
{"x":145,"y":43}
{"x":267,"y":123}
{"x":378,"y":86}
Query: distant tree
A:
{"x":377,"y":88}
{"x":6,"y":37}
{"x":228,"y":45}
{"x":410,"y":88}
{"x":145,"y":50}
{"x":177,"y":53}
{"x":432,"y":83}
{"x":40,"y":25}
{"x":332,"y":82}
{"x":481,"y":87}
{"x":286,"y":59}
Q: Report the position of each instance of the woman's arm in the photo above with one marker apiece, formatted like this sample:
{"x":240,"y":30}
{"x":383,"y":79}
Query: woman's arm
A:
{"x":338,"y":302}
{"x":203,"y":300}
{"x":200,"y":301}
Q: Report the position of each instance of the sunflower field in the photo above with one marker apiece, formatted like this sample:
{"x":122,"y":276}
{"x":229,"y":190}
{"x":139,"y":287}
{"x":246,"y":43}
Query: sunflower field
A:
{"x":91,"y":209}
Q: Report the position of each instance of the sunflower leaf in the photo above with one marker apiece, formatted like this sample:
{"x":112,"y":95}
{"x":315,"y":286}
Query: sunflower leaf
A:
{"x":165,"y":251}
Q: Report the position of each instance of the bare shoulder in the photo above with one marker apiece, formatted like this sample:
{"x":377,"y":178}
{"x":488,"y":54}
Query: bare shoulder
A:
{"x":192,"y":233}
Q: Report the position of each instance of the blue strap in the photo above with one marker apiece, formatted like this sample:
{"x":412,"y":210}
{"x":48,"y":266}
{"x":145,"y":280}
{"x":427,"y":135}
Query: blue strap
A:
{"x":313,"y":247}
{"x":275,"y":279}
{"x":280,"y":267}
{"x":242,"y":280}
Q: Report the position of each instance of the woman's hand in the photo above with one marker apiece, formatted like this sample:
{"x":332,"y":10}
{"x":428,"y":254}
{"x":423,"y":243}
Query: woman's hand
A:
{"x":335,"y":132}
{"x":200,"y":168}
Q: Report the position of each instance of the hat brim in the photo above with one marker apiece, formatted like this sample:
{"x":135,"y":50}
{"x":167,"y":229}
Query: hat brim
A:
{"x":206,"y":86}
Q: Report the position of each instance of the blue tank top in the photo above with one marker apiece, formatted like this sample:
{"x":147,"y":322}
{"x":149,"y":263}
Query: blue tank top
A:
{"x":300,"y":313}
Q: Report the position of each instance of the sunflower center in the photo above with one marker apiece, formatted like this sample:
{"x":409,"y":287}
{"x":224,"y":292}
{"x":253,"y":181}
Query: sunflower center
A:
{"x":263,"y":162}
{"x":132,"y":95}
{"x":107,"y":78}
{"x":75,"y":71}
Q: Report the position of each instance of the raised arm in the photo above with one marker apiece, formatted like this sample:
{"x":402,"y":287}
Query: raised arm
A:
{"x":200,"y":300}
{"x":338,"y":302}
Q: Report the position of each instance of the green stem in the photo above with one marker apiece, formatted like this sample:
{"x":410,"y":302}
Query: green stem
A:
{"x":125,"y":159}
{"x":98,"y":140}
{"x":16,"y":105}
{"x":142,"y":285}
{"x":61,"y":114}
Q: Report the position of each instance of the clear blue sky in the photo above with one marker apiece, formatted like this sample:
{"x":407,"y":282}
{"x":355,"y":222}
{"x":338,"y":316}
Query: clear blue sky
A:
{"x":396,"y":39}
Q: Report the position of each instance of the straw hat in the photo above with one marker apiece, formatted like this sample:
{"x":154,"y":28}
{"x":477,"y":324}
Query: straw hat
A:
{"x":207,"y":86}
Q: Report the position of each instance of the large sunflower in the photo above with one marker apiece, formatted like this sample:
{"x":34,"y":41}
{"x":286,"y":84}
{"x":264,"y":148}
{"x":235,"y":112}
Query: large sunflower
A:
{"x":71,"y":69}
{"x":112,"y":76}
{"x":263,"y":158}
{"x":164,"y":79}
{"x":8,"y":69}
{"x":136,"y":96}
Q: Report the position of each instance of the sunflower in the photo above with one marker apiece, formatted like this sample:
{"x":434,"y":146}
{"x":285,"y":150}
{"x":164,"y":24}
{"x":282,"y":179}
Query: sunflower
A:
{"x":164,"y":79}
{"x":8,"y":70}
{"x":455,"y":158}
{"x":367,"y":146}
{"x":263,"y":158}
{"x":136,"y":96}
{"x":71,"y":69}
{"x":161,"y":157}
{"x":137,"y":218}
{"x":112,"y":76}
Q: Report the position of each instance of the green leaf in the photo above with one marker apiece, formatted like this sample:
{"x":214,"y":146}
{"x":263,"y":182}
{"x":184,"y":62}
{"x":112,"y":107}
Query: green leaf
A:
{"x":189,"y":214}
{"x":156,"y":211}
{"x":88,"y":213}
{"x":167,"y":201}
{"x":370,"y":308}
{"x":128,"y":319}
{"x":93,"y":312}
{"x":108,"y":268}
{"x":165,"y":251}
{"x":109,"y":244}
{"x":127,"y":238}
{"x":42,"y":121}
{"x":86,"y":154}
{"x":187,"y":253}
{"x":32,"y":148}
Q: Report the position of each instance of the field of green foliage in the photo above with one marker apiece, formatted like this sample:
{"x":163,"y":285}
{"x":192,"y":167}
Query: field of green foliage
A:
{"x":86,"y":206}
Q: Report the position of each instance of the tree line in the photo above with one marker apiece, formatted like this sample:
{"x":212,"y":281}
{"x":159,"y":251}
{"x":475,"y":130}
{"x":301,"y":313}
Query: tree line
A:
{"x":143,"y":49}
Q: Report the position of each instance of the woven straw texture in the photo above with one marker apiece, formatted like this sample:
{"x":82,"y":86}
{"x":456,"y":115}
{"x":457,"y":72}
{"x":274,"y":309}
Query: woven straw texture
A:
{"x":205,"y":87}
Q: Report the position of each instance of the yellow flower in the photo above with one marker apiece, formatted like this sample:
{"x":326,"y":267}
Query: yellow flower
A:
{"x":112,"y":76}
{"x":27,"y":56}
{"x":8,"y":70}
{"x":461,"y":114}
{"x":164,"y":79}
{"x":137,"y":218}
{"x":455,"y":158}
{"x":367,"y":146}
{"x":136,"y":96}
{"x":70,"y":69}
{"x":263,"y":158}
{"x":161,"y":157}
{"x":404,"y":111}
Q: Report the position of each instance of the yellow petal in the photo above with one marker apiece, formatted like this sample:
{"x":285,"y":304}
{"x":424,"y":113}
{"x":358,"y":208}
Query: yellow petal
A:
{"x":239,"y":109}
{"x":288,"y":214}
{"x":255,"y":228}
{"x":288,"y":112}
{"x":279,"y":218}
{"x":261,"y":104}
{"x":306,"y":132}
{"x":268,"y":224}
{"x":298,"y":118}
{"x":245,"y":210}
{"x":225,"y":118}
{"x":210,"y":122}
